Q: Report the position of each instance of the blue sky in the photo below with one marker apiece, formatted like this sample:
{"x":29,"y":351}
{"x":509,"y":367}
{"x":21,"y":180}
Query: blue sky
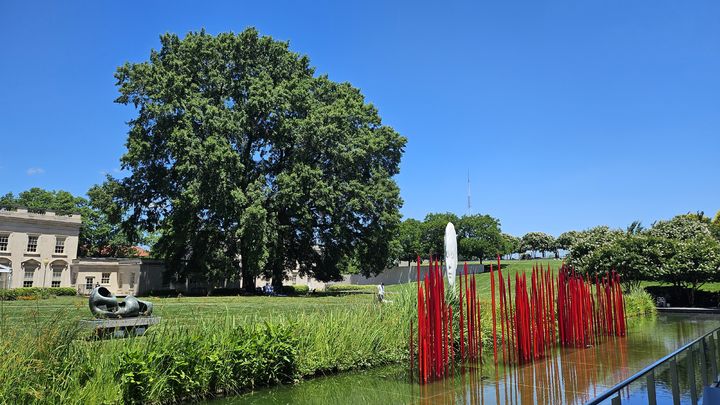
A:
{"x":567,"y":114}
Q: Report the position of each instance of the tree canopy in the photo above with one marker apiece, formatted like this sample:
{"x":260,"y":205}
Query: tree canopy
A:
{"x":244,"y":159}
{"x":681,"y":227}
{"x":538,"y":241}
{"x":479,"y":237}
{"x":586,"y":242}
{"x":40,"y":200}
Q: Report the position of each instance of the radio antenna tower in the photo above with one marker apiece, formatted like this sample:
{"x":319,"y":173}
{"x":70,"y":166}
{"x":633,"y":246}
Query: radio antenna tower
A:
{"x":469,"y":207}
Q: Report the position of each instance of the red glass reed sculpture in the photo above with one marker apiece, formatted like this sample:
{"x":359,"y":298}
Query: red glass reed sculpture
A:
{"x":567,"y":310}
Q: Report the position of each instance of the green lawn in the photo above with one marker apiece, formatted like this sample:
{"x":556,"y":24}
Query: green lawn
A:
{"x":188,"y":310}
{"x":708,"y":287}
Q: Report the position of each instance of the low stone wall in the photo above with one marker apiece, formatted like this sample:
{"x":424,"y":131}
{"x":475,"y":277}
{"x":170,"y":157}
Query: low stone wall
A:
{"x":399,"y":275}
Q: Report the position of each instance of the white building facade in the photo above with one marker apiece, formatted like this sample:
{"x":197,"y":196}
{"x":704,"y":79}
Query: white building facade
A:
{"x":38,"y":247}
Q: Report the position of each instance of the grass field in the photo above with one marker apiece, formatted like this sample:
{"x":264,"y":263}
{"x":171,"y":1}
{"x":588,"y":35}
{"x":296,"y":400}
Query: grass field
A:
{"x":190,"y":310}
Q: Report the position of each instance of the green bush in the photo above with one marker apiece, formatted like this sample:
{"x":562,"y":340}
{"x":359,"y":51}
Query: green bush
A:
{"x":639,"y":302}
{"x":14,"y":293}
{"x":295,"y":289}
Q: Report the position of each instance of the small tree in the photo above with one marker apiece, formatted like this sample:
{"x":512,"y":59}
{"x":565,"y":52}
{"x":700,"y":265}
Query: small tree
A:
{"x":538,"y":241}
{"x":511,"y":244}
{"x":566,"y":240}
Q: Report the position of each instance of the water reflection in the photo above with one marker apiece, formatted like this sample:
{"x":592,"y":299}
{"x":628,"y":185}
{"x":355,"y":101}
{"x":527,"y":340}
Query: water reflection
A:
{"x":565,"y":376}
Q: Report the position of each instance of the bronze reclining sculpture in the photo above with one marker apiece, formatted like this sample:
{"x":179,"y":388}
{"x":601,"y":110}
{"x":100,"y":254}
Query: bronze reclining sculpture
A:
{"x":104,"y":304}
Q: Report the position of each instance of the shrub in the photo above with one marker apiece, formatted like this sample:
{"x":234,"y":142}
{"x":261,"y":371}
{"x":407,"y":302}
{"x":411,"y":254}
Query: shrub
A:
{"x":639,"y":302}
{"x":295,"y":289}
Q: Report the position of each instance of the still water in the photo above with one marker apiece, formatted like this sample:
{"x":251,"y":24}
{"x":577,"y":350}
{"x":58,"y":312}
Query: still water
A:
{"x":567,"y":376}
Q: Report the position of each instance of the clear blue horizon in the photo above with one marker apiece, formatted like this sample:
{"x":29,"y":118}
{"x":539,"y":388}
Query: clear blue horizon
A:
{"x":567,"y":114}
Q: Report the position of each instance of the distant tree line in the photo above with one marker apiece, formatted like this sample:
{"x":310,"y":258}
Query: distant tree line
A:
{"x":479,"y":237}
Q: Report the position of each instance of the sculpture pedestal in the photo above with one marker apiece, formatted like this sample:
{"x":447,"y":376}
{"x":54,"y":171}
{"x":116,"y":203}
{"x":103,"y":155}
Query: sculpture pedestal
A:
{"x":121,"y":327}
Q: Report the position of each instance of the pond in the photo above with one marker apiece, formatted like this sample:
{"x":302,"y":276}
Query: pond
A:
{"x":567,"y":376}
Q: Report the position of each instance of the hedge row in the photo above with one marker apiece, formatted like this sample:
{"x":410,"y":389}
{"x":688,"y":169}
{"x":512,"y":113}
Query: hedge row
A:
{"x":13,"y":294}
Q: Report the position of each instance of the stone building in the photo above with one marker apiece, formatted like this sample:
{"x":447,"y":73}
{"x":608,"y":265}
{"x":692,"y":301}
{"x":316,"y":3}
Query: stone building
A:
{"x":121,"y":276}
{"x":38,"y":247}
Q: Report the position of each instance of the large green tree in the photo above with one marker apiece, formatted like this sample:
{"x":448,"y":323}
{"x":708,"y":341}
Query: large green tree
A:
{"x":433,"y":232}
{"x":243,"y":158}
{"x":566,"y":240}
{"x":696,"y":254}
{"x":479,"y":237}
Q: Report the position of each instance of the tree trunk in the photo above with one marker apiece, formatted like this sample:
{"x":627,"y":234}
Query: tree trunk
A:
{"x":277,"y":278}
{"x":691,"y":296}
{"x":248,"y":277}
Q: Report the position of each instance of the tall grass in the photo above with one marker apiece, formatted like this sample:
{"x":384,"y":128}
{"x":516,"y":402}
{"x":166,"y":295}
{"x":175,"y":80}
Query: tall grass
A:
{"x":53,"y":361}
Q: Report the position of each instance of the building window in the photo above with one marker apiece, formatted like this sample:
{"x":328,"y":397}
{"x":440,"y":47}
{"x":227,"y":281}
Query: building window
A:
{"x":29,"y":275}
{"x":120,"y":280}
{"x":32,"y":243}
{"x":57,"y":272}
{"x":132,"y":280}
{"x":89,"y":283}
{"x":105,"y":278}
{"x":4,"y":238}
{"x":59,"y":245}
{"x":5,"y":277}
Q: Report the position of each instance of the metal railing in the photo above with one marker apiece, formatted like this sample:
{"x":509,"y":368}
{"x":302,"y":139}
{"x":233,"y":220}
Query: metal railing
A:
{"x":701,"y":353}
